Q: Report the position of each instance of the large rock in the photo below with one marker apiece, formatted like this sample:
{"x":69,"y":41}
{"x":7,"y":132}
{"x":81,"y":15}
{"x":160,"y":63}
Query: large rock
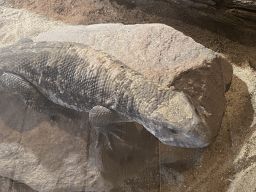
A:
{"x":162,"y":54}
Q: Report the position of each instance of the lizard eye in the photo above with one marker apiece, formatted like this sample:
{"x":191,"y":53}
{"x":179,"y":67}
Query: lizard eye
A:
{"x":170,"y":130}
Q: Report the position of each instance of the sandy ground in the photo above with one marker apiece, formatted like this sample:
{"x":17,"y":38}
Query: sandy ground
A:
{"x":233,"y":150}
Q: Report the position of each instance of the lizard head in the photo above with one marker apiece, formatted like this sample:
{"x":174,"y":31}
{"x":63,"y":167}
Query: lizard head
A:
{"x":178,"y":122}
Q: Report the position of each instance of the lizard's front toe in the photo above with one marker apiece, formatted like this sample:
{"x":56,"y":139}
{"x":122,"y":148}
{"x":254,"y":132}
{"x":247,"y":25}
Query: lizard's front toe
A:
{"x":106,"y":131}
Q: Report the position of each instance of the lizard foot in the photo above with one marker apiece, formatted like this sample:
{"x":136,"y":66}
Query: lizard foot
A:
{"x":107,"y":131}
{"x":105,"y":122}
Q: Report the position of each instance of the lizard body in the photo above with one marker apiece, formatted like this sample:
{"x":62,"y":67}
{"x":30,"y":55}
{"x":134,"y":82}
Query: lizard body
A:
{"x":84,"y":79}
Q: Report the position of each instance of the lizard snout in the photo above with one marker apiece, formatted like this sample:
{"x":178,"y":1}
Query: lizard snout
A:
{"x":198,"y":136}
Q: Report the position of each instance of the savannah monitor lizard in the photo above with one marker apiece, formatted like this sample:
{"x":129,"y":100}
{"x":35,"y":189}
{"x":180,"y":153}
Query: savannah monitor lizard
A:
{"x":81,"y":78}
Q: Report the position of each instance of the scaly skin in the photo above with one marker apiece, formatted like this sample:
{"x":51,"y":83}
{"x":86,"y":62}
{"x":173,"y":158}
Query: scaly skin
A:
{"x":81,"y":78}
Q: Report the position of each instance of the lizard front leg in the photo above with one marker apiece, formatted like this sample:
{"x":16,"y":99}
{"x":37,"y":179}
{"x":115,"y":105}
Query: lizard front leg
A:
{"x":31,"y":96}
{"x":102,"y":120}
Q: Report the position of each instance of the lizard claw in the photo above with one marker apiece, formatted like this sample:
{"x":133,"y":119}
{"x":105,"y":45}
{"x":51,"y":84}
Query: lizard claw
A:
{"x":116,"y":136}
{"x":109,"y":143}
{"x":120,"y":130}
{"x":106,"y":131}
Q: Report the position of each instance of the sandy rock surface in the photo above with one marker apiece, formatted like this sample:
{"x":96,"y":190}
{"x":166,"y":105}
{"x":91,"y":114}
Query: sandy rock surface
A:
{"x":31,"y":142}
{"x":30,"y":26}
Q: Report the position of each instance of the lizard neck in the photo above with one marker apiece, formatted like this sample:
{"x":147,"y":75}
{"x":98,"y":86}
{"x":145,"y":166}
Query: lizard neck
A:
{"x":140,"y":97}
{"x":148,"y":99}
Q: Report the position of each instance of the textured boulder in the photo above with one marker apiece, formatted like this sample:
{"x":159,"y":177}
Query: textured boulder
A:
{"x":162,"y":54}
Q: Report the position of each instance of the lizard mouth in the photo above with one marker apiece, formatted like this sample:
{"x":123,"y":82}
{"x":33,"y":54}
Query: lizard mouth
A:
{"x":197,"y":137}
